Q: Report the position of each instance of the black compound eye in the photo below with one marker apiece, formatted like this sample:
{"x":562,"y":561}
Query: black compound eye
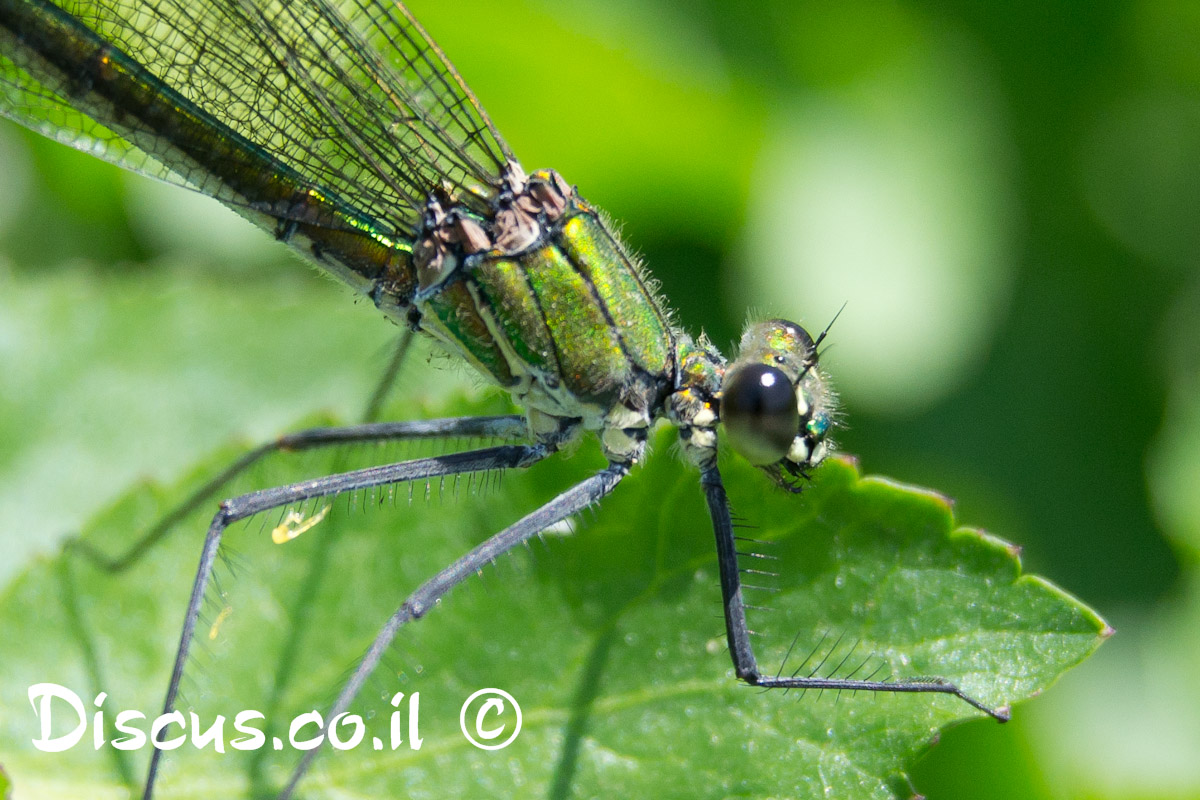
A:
{"x":758,"y":409}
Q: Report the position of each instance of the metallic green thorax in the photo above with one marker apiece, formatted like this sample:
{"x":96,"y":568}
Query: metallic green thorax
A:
{"x":567,"y":324}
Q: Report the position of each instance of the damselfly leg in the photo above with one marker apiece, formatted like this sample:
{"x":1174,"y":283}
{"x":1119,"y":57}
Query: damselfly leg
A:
{"x":738,"y":632}
{"x":486,"y":459}
{"x":506,"y":428}
{"x":567,"y":504}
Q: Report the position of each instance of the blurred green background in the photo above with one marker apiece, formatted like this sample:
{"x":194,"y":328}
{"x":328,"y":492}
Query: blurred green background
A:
{"x":1006,"y":197}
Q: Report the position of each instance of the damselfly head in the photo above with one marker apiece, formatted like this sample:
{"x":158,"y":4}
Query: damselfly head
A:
{"x":776,"y":406}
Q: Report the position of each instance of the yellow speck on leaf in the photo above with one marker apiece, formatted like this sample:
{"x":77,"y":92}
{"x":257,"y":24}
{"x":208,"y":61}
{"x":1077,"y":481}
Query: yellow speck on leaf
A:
{"x":216,"y":626}
{"x":295,"y":524}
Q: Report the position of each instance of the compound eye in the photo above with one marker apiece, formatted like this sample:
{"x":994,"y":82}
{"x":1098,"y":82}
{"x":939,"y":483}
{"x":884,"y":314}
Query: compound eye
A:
{"x":758,"y":408}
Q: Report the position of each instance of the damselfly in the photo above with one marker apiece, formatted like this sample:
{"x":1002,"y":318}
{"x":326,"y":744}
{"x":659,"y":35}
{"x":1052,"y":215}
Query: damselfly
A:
{"x":342,"y":130}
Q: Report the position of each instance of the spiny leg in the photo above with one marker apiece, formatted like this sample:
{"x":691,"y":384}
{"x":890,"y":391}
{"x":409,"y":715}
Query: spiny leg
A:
{"x":570,"y":502}
{"x":506,"y":428}
{"x":738,"y":634}
{"x":247,"y":505}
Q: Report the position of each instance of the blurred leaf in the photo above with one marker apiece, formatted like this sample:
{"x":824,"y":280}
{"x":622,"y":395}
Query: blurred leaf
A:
{"x":1141,"y":742}
{"x":610,"y":639}
{"x":1142,"y":174}
{"x":1173,"y":464}
{"x":1165,"y":33}
{"x":890,"y":195}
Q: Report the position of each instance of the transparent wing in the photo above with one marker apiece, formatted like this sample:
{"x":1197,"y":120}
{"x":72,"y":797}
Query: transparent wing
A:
{"x":351,"y":101}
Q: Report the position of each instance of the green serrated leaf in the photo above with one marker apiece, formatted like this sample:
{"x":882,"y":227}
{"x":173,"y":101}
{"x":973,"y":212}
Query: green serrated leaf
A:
{"x":611,"y":639}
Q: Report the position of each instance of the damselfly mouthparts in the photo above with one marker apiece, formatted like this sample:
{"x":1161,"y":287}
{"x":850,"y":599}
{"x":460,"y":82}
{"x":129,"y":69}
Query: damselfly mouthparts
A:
{"x":343,"y":131}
